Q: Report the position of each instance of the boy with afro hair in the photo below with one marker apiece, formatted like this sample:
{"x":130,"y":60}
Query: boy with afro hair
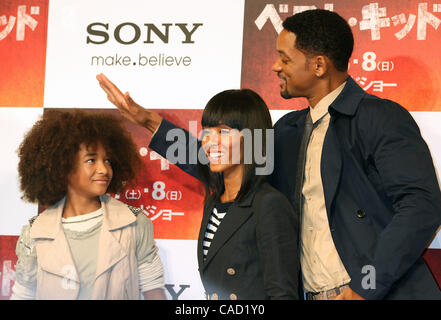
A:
{"x":86,"y":244}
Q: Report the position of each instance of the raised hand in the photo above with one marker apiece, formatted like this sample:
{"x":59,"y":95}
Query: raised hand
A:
{"x":129,"y":108}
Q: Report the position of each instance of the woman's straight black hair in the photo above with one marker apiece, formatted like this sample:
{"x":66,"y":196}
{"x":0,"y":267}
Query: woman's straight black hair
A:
{"x":238,"y":109}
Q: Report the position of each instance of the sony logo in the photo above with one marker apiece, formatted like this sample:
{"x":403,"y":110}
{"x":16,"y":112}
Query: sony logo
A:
{"x":98,"y":32}
{"x":175,"y":294}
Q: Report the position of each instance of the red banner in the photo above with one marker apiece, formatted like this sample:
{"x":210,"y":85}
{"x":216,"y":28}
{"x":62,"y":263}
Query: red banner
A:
{"x":396,"y":54}
{"x":23,"y":32}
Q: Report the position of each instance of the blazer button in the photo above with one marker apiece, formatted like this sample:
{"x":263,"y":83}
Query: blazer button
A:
{"x":214,"y":296}
{"x":233,"y":296}
{"x":231,"y":271}
{"x":361,"y":214}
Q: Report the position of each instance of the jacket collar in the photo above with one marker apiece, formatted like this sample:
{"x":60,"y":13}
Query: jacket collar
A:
{"x":55,"y":255}
{"x":346,"y":102}
{"x":246,"y":201}
{"x":116,"y":215}
{"x":236,"y":216}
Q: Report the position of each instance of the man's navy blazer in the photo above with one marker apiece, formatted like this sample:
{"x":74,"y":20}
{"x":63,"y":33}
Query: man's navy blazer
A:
{"x":381,"y":193}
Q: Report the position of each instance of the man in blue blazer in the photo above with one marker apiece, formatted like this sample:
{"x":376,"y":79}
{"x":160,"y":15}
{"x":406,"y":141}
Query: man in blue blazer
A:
{"x":363,"y":182}
{"x":381,"y":202}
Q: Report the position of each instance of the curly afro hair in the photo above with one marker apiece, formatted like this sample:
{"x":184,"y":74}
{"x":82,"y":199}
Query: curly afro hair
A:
{"x":48,"y":152}
{"x":322,"y":32}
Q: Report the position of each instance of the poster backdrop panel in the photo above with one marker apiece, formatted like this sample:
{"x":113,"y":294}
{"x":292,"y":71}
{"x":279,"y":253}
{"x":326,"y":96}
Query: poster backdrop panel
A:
{"x":395,"y":55}
{"x":14,"y":212}
{"x":169,"y":54}
{"x":182,"y":280}
{"x":23,"y":26}
{"x":7,"y":263}
{"x":171,"y":198}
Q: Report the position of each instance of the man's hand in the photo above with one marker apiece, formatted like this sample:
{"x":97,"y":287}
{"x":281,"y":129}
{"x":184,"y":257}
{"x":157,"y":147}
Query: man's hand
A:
{"x":348,"y":294}
{"x":155,"y":294}
{"x":129,"y":108}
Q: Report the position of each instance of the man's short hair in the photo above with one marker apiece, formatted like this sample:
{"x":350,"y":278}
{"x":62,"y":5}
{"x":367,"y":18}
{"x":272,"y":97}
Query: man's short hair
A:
{"x":322,"y":32}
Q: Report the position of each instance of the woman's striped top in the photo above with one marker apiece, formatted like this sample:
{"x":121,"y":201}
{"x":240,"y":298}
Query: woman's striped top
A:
{"x":218,"y":213}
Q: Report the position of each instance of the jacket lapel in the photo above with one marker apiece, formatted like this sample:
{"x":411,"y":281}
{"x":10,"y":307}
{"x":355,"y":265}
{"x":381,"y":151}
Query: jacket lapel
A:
{"x":48,"y":230}
{"x":206,"y":216}
{"x":291,"y":152}
{"x":346,"y":105}
{"x":116,"y":215}
{"x":236,"y":215}
{"x":53,"y":249}
{"x":330,"y":166}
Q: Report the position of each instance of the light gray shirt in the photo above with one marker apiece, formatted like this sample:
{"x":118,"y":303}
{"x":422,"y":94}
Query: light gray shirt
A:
{"x":322,"y":268}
